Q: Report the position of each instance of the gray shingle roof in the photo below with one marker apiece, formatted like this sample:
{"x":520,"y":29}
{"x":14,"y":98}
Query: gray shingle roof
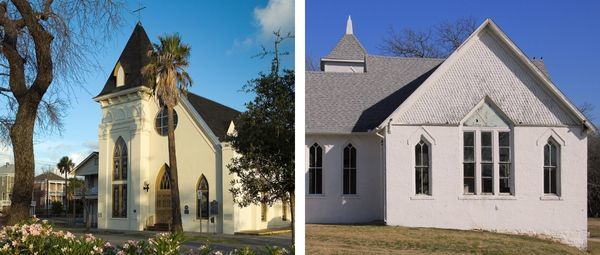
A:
{"x":358,"y":102}
{"x":348,"y":48}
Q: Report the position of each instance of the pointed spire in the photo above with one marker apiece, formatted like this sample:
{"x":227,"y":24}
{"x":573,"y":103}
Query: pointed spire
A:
{"x":349,"y":26}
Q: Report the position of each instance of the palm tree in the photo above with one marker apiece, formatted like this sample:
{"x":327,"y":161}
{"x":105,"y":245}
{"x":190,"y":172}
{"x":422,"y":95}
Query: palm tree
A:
{"x":168,"y":76}
{"x":65,"y":166}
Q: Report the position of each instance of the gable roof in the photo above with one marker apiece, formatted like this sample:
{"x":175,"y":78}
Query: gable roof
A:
{"x":217,"y":116}
{"x":348,"y":48}
{"x":48,"y":176}
{"x":91,"y":171}
{"x":536,"y":70}
{"x":7,"y":169}
{"x":358,"y":102}
{"x":132,"y":59}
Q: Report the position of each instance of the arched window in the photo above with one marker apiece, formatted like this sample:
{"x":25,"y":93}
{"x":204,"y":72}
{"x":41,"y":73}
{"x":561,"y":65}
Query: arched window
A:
{"x":315,"y":170}
{"x":551,"y":168}
{"x":120,"y":179}
{"x":349,"y":170}
{"x":120,"y":160}
{"x":165,"y":181}
{"x":161,"y":121}
{"x":120,"y":76}
{"x":202,"y":195}
{"x":422,"y":169}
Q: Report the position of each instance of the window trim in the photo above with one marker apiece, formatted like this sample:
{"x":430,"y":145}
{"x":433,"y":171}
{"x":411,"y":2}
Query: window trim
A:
{"x":162,"y":114}
{"x":308,"y":193}
{"x":429,"y":167}
{"x":198,"y":204}
{"x":350,"y":168}
{"x":495,"y":159}
{"x":120,"y":181}
{"x":558,"y":170}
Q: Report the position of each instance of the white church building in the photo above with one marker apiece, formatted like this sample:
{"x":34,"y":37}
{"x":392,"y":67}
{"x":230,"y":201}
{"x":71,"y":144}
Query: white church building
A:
{"x":133,"y":189}
{"x":482,"y":139}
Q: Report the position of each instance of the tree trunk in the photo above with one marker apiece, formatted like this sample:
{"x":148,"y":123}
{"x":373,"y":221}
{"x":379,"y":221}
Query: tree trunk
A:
{"x":292,"y":208}
{"x":175,"y":203}
{"x":66,"y":201}
{"x":21,"y":135}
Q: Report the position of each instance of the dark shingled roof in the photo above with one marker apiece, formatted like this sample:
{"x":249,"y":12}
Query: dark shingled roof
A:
{"x":216,"y":115}
{"x":348,"y":48}
{"x":132,"y":59}
{"x":48,"y":175}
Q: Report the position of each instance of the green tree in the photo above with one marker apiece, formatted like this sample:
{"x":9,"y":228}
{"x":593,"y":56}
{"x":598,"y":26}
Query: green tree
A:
{"x":65,"y":166}
{"x":265,"y":139}
{"x":167,"y":71}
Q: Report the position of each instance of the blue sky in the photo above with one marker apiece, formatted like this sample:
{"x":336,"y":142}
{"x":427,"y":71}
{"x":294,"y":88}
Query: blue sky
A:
{"x":565,"y":33}
{"x":223,"y":35}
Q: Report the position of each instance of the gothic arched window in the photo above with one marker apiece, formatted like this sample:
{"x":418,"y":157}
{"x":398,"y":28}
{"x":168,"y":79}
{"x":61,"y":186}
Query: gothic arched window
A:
{"x":202,"y":196}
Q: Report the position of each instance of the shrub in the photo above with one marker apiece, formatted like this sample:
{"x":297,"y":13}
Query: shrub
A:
{"x":57,"y":207}
{"x":35,"y":237}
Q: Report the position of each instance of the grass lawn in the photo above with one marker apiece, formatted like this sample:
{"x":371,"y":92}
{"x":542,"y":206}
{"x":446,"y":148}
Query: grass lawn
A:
{"x":344,"y":239}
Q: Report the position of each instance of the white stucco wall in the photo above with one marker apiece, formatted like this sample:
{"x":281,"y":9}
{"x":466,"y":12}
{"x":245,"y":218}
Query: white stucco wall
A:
{"x":526,"y":212}
{"x":334,"y":207}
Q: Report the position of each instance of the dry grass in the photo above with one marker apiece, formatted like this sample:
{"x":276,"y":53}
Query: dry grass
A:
{"x":344,"y":239}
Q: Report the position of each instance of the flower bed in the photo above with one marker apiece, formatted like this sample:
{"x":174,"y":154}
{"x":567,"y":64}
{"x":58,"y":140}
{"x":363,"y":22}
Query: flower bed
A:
{"x":38,"y":237}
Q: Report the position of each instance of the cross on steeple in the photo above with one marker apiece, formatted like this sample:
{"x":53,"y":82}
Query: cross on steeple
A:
{"x":139,"y":10}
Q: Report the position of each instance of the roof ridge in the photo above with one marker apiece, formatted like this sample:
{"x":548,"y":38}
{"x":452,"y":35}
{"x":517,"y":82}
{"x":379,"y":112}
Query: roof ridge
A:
{"x":191,"y":93}
{"x":403,"y":58}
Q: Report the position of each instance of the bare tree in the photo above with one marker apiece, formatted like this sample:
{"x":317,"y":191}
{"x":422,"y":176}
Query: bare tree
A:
{"x":435,"y":42}
{"x":593,"y":165}
{"x":44,"y":42}
{"x":311,"y":64}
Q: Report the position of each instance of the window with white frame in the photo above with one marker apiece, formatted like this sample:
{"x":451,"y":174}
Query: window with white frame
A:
{"x":349,"y":175}
{"x":551,"y":168}
{"x":487,"y":163}
{"x":504,"y":163}
{"x":469,"y":162}
{"x":315,"y":170}
{"x":422,"y":169}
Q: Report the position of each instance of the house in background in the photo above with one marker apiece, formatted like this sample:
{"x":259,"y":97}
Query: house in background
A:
{"x":7,"y":181}
{"x":480,"y":140}
{"x":47,"y":188}
{"x":88,"y":169}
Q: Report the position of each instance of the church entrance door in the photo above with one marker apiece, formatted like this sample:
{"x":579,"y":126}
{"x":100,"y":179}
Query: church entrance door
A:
{"x":163,"y":197}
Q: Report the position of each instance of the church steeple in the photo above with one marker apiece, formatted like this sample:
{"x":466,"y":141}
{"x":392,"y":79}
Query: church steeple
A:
{"x":348,"y":55}
{"x":133,"y":58}
{"x":349,"y":26}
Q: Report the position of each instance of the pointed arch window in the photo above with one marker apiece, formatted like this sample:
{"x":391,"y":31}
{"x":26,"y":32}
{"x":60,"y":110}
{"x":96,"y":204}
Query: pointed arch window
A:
{"x":315,"y":170}
{"x":120,"y":160}
{"x":551,"y":168}
{"x":165,"y":181}
{"x":120,"y":76}
{"x":119,"y":202}
{"x":349,"y":170}
{"x":203,"y":199}
{"x":422,"y":169}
